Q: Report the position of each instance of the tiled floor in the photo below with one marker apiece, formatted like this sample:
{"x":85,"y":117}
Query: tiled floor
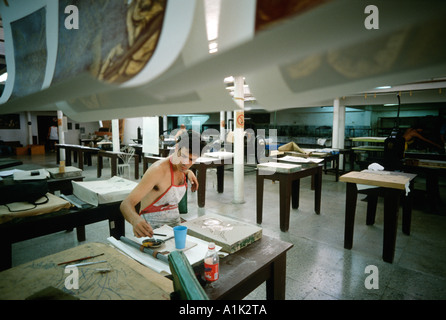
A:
{"x":318,"y":267}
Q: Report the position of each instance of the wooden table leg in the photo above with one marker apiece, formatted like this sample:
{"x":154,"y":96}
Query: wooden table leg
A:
{"x":80,"y":232}
{"x":337,"y":167}
{"x":350,"y":209}
{"x":391,"y":206}
{"x":87,"y":159}
{"x":201,"y":193}
{"x":114,"y":166}
{"x":295,"y":188}
{"x":81,"y":159}
{"x":275,"y":285}
{"x":57,"y":154}
{"x":432,"y":190}
{"x":259,"y":196}
{"x":372,"y":201}
{"x":116,"y":225}
{"x":67,"y":157}
{"x":318,"y":190}
{"x":100,"y":164}
{"x":407,"y":210}
{"x":285,"y":195}
{"x":220,"y":179}
{"x":136,"y":158}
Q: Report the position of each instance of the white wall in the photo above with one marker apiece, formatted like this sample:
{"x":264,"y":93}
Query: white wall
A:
{"x":320,"y":116}
{"x":131,"y":129}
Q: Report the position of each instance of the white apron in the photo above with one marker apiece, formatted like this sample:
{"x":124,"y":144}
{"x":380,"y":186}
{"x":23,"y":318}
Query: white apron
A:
{"x":164,"y":210}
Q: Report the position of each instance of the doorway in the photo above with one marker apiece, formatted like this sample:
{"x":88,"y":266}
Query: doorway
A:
{"x":43,"y":125}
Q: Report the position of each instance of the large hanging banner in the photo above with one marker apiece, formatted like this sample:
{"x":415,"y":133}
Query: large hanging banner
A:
{"x":100,"y":57}
{"x":150,"y":138}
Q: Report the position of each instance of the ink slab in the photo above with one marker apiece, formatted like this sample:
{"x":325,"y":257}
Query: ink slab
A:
{"x":232,"y":235}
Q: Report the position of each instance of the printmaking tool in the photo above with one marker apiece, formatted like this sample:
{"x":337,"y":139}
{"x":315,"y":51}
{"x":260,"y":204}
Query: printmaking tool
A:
{"x":80,"y":259}
{"x":154,"y":243}
{"x":85,"y":264}
{"x":153,"y":253}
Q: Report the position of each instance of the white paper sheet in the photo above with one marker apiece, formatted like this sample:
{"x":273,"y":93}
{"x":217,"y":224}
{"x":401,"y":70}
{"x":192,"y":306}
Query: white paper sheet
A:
{"x":194,"y":254}
{"x":300,"y":159}
{"x":9,"y":172}
{"x":26,"y":175}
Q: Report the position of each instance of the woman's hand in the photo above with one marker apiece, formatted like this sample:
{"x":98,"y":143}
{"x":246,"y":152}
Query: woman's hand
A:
{"x":193,"y":179}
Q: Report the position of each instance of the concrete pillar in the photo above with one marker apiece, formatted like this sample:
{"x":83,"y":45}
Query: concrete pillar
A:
{"x":164,"y":124}
{"x":222,"y":126}
{"x":115,"y":135}
{"x":61,"y":141}
{"x":338,"y":134}
{"x":30,"y":128}
{"x":239,"y":129}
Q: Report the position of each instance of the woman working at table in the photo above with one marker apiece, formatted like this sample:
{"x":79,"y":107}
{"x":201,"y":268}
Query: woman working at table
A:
{"x":162,"y":187}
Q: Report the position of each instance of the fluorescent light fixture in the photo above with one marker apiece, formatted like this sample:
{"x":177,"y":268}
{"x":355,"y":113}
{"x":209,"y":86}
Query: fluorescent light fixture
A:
{"x":390,"y":104}
{"x":3,"y":77}
{"x":212,"y":16}
{"x":213,"y":46}
{"x":383,"y":87}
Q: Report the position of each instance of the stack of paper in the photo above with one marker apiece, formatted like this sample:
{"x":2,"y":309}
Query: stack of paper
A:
{"x":272,"y":167}
{"x":103,"y":191}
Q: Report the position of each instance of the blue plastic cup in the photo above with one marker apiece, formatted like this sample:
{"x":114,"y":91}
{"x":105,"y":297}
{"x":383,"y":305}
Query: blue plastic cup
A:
{"x":180,"y":233}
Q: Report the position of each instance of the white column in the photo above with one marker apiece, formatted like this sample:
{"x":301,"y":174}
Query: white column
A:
{"x":164,"y":124}
{"x":239,"y":129}
{"x":335,"y":131}
{"x":115,"y":135}
{"x":222,"y":126}
{"x":341,"y":127}
{"x":30,"y":128}
{"x":61,"y":141}
{"x":338,"y":135}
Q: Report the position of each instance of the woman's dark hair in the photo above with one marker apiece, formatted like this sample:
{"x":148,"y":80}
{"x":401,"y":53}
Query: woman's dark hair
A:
{"x":191,"y":140}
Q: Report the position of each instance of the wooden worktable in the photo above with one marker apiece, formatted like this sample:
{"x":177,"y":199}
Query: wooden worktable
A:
{"x":244,"y":270}
{"x":25,"y":228}
{"x":240,"y":273}
{"x":76,"y":149}
{"x":127,"y":280}
{"x":386,"y":179}
{"x":289,"y":188}
{"x":394,"y":183}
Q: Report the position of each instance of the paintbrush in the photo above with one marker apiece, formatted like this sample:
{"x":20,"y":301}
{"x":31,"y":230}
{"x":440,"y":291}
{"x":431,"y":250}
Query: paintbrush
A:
{"x":80,"y":259}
